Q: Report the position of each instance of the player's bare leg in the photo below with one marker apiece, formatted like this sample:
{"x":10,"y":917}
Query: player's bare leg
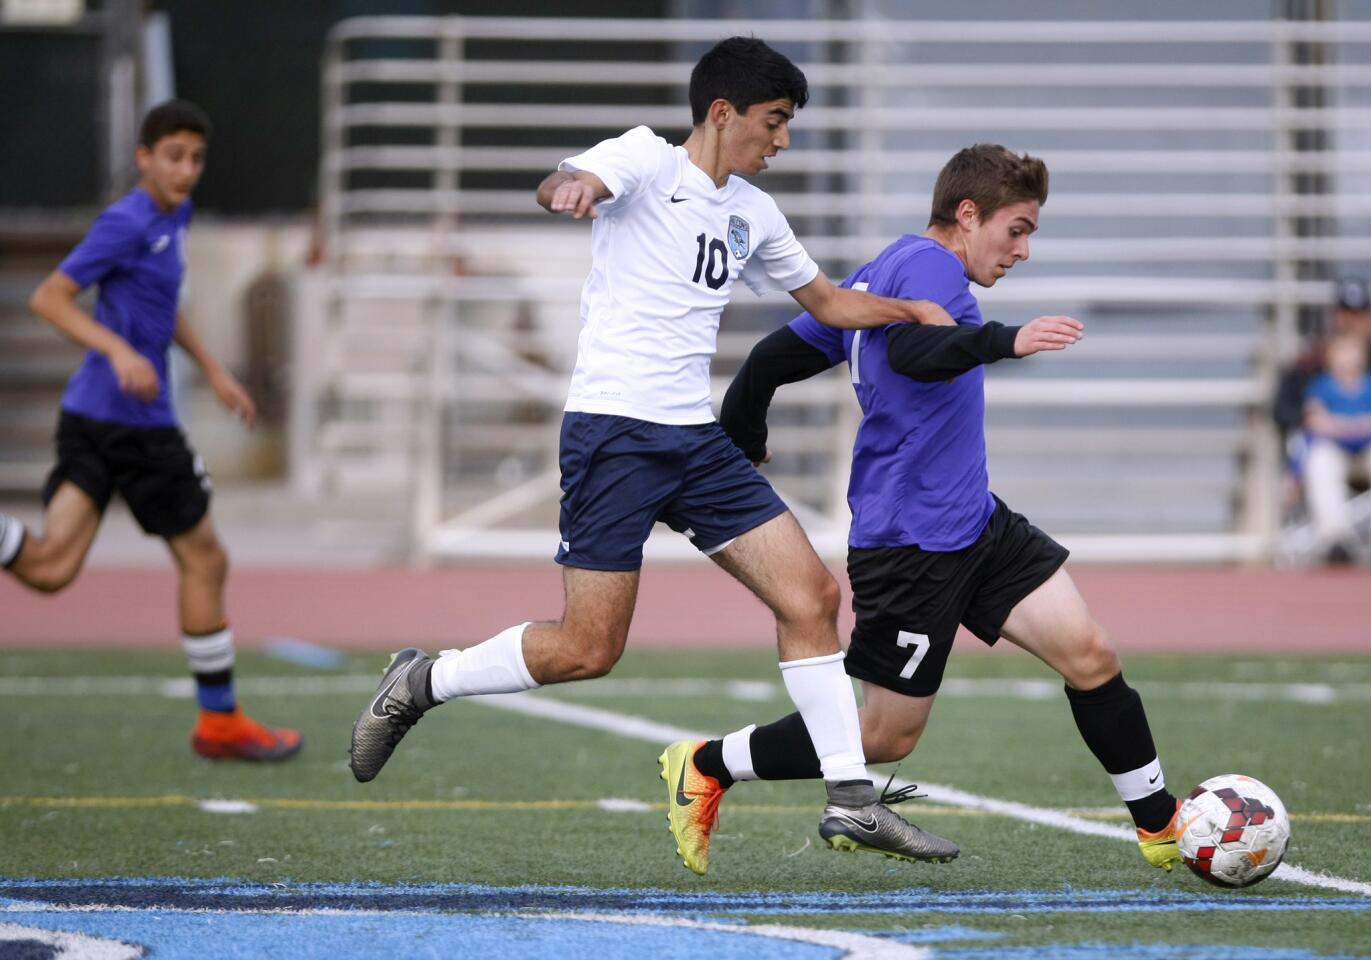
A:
{"x":203,"y":566}
{"x":586,"y":642}
{"x":777,"y":563}
{"x":222,"y":729}
{"x":1054,"y":624}
{"x":590,"y":637}
{"x":892,"y":723}
{"x":51,"y":560}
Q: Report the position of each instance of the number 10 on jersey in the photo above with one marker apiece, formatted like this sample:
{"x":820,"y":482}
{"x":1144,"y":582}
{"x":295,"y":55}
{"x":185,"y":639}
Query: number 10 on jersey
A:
{"x":715,"y":271}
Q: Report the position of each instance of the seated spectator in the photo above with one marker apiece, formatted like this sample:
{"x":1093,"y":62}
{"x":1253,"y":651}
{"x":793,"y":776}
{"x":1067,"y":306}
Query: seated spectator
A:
{"x":1337,"y":421}
{"x":1352,"y":314}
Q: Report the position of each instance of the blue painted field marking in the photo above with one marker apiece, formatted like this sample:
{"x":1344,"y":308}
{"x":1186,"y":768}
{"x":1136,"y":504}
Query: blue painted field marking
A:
{"x":184,"y":894}
{"x":170,"y":935}
{"x":304,"y":653}
{"x":330,"y":935}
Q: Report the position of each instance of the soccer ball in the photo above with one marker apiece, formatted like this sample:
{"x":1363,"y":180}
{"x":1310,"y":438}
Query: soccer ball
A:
{"x":1232,"y":830}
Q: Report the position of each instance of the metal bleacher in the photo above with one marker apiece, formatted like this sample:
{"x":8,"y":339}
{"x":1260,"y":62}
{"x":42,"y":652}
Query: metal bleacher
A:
{"x":1206,"y":179}
{"x":35,"y":361}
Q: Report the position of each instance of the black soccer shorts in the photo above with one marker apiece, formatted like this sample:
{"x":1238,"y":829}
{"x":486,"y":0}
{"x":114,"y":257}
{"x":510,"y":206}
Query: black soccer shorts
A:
{"x":909,"y":601}
{"x":153,"y":468}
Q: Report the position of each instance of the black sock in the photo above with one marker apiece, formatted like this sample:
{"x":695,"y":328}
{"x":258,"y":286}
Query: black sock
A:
{"x":1153,"y":812}
{"x":709,"y":760}
{"x":1114,"y":726}
{"x":783,"y":751}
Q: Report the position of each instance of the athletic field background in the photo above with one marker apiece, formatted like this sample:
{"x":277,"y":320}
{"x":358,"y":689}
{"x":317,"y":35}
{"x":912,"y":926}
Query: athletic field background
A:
{"x":533,"y":825}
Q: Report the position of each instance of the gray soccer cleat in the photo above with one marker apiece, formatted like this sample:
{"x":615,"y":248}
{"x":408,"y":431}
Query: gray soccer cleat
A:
{"x":399,"y":702}
{"x":857,"y":819}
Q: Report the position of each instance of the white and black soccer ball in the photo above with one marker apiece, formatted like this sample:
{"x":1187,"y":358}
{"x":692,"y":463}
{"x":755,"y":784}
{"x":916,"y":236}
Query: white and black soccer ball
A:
{"x":1232,"y":830}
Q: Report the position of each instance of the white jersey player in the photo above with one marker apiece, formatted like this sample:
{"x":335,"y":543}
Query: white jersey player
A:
{"x":674,"y":228}
{"x":667,"y":246}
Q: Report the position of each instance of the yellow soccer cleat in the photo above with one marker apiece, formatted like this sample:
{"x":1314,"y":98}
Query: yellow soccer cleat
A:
{"x":1159,"y":848}
{"x":692,"y":803}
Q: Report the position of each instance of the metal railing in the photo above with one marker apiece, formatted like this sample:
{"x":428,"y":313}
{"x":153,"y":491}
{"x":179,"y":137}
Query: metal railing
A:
{"x":436,"y":341}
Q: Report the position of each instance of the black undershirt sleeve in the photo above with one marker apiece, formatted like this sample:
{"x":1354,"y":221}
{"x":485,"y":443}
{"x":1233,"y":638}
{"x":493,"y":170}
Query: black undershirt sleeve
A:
{"x":781,"y":357}
{"x":932,"y":353}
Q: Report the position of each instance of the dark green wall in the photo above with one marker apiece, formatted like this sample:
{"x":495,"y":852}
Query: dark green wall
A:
{"x":252,"y":64}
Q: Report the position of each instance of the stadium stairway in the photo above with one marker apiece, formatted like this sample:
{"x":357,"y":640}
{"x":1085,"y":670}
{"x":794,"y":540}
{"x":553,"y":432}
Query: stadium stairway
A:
{"x":35,"y":360}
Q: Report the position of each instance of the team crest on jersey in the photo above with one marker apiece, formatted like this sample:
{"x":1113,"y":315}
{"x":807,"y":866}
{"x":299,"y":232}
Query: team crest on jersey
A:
{"x":738,"y":240}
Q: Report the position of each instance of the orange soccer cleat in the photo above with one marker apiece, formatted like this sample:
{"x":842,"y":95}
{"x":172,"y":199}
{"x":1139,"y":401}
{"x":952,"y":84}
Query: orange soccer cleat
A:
{"x":1159,"y":848}
{"x":236,"y":736}
{"x":692,"y":803}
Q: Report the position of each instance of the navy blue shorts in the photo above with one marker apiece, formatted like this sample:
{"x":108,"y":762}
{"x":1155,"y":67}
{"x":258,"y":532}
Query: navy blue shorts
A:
{"x":620,"y":476}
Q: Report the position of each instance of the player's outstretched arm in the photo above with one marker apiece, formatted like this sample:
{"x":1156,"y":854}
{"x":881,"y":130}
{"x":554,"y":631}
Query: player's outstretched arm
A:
{"x":55,"y":302}
{"x":930,"y":354}
{"x":226,"y":386}
{"x":780,"y":357}
{"x":858,"y":310}
{"x":573,"y":193}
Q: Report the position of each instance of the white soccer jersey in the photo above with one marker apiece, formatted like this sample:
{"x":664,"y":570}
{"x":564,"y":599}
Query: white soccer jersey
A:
{"x":665,"y":251}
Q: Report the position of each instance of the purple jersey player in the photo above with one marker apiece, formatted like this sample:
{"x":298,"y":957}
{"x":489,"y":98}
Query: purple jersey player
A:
{"x":931,"y":548}
{"x":117,"y":431}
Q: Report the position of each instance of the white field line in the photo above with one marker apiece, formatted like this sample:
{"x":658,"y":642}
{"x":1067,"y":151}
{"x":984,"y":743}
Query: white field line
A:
{"x":760,"y":691}
{"x":855,"y":946}
{"x":640,"y":728}
{"x":63,"y":944}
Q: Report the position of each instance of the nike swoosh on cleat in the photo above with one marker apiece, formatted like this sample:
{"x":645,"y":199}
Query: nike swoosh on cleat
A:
{"x":385,"y":692}
{"x":868,"y":825}
{"x":681,"y":798}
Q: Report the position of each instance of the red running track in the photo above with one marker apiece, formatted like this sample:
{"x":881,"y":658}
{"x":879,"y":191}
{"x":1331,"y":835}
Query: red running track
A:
{"x":1144,"y":608}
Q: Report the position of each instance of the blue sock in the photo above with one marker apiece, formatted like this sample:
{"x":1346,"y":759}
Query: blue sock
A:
{"x":214,"y":691}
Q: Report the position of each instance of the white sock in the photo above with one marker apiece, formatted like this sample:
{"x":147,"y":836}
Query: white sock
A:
{"x":11,"y":538}
{"x":209,"y":652}
{"x":820,"y":689}
{"x":1140,"y":783}
{"x":738,"y":753}
{"x":493,"y":666}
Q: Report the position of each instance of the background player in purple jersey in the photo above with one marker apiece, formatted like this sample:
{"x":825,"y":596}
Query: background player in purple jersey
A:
{"x":118,"y":432}
{"x":930,"y":546}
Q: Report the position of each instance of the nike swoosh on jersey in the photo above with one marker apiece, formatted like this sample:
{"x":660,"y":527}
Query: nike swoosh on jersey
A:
{"x":681,"y":798}
{"x":385,"y":692}
{"x":675,"y":199}
{"x":161,"y":243}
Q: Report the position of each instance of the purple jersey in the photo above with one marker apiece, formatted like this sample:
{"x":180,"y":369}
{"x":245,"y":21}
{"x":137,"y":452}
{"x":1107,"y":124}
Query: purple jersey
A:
{"x":136,"y":253}
{"x":918,"y":464}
